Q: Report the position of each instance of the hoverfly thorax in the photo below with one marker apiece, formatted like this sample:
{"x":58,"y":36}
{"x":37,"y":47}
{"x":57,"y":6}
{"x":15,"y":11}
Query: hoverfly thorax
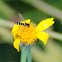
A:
{"x":27,"y":24}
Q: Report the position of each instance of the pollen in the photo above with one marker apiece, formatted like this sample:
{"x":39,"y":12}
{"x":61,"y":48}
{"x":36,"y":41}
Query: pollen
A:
{"x":28,"y":35}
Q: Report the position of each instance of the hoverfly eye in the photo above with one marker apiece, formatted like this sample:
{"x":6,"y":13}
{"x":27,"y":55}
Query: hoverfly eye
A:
{"x":21,"y":23}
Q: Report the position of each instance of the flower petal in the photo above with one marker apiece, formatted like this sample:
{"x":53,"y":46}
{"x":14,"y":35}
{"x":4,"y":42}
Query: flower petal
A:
{"x":42,"y":36}
{"x":44,"y":24}
{"x":15,"y":28}
{"x":16,"y":44}
{"x":16,"y":37}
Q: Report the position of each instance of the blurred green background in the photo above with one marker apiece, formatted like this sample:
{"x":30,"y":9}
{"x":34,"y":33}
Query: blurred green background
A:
{"x":36,"y":10}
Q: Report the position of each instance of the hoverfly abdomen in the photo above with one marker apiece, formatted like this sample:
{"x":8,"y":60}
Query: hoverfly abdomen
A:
{"x":21,"y":23}
{"x":24,"y":24}
{"x":18,"y":23}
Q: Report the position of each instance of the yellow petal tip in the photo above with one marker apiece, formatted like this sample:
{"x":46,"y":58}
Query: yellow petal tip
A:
{"x":52,"y":18}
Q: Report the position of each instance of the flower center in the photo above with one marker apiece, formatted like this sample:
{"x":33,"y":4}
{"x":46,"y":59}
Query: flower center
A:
{"x":28,"y":34}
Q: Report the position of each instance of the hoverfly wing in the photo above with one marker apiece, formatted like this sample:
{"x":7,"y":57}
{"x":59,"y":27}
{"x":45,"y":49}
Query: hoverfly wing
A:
{"x":16,"y":18}
{"x":21,"y":17}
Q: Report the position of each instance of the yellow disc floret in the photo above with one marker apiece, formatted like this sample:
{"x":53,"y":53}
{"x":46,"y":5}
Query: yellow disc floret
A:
{"x":26,"y":34}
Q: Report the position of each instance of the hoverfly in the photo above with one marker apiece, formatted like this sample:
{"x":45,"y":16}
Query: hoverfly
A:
{"x":24,"y":23}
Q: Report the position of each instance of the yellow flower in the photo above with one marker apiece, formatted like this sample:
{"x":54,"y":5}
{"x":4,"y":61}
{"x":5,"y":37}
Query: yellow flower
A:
{"x":26,"y":32}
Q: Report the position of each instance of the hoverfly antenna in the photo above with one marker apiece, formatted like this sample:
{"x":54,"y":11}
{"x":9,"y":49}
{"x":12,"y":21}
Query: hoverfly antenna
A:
{"x":20,"y":16}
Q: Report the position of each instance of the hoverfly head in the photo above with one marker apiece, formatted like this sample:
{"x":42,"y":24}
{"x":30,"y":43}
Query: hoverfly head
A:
{"x":27,"y":24}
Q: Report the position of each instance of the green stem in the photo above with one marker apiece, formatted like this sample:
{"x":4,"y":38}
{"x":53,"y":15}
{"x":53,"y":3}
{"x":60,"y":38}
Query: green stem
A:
{"x":23,"y":54}
{"x":29,"y":53}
